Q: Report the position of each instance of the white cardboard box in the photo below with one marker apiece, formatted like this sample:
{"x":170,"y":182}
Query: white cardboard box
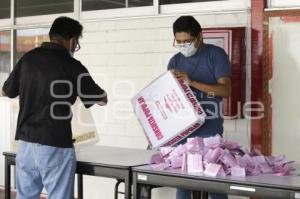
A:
{"x":168,"y":110}
{"x":83,"y":126}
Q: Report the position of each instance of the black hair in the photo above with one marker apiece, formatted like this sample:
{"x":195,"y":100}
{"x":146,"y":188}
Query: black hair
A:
{"x":187,"y":24}
{"x":65,"y":27}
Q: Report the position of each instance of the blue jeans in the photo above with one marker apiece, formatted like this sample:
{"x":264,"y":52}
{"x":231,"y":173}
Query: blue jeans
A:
{"x":39,"y":166}
{"x":187,"y":194}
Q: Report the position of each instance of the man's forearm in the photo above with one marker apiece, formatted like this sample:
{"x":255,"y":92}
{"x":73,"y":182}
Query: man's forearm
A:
{"x":218,"y":89}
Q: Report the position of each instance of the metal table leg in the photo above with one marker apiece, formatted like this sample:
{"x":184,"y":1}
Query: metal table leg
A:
{"x":128,"y":184}
{"x":80,"y":186}
{"x":7,"y":178}
{"x":117,"y":188}
{"x":204,"y":195}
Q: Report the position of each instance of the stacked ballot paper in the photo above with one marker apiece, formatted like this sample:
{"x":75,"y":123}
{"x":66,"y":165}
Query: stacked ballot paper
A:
{"x":215,"y":156}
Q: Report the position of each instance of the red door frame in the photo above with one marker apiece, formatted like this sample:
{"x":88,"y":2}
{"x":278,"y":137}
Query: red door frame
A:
{"x":258,"y":126}
{"x":234,"y":46}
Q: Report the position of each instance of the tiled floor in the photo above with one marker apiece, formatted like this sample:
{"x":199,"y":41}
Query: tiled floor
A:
{"x":2,"y":195}
{"x":13,"y":195}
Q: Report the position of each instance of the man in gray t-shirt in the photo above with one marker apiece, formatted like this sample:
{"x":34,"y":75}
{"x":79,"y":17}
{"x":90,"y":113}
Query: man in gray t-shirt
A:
{"x":206,"y":69}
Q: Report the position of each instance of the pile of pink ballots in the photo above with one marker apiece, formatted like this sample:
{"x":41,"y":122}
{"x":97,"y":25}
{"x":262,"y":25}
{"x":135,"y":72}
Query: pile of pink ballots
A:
{"x":215,"y":156}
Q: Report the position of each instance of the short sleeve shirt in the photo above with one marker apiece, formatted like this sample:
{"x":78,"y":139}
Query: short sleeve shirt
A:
{"x":209,"y":64}
{"x":48,"y":81}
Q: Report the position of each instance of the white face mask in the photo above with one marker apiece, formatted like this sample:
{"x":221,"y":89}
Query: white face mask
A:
{"x":70,"y":50}
{"x":187,"y":49}
{"x":71,"y":53}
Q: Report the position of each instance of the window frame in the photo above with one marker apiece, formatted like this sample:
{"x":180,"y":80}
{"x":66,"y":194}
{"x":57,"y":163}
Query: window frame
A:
{"x":4,"y":23}
{"x":11,"y":52}
{"x":11,"y":2}
{"x":169,"y":9}
{"x":10,"y":31}
{"x":156,"y":9}
{"x":283,"y":4}
{"x":25,"y":28}
{"x":120,"y":12}
{"x":13,"y":24}
{"x":15,"y":11}
{"x":46,"y":19}
{"x":8,"y":21}
{"x":205,"y":7}
{"x":41,"y":21}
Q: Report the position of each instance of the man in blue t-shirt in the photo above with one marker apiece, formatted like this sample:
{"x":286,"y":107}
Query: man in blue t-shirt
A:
{"x":206,"y":69}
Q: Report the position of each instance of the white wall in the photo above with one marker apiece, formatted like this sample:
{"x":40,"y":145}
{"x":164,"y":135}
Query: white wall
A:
{"x":8,"y":109}
{"x":123,"y":56}
{"x":284,"y":88}
{"x":4,"y":134}
{"x":285,"y":109}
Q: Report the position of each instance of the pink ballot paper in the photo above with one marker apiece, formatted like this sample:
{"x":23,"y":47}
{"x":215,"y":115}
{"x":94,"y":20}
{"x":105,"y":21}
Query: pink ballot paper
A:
{"x":215,"y":156}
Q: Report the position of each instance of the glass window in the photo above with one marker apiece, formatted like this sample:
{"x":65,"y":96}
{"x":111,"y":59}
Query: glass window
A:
{"x":43,"y":7}
{"x":4,"y":9}
{"x":28,"y":39}
{"x":88,"y":5}
{"x":162,"y":2}
{"x":137,"y":3}
{"x":4,"y":56}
